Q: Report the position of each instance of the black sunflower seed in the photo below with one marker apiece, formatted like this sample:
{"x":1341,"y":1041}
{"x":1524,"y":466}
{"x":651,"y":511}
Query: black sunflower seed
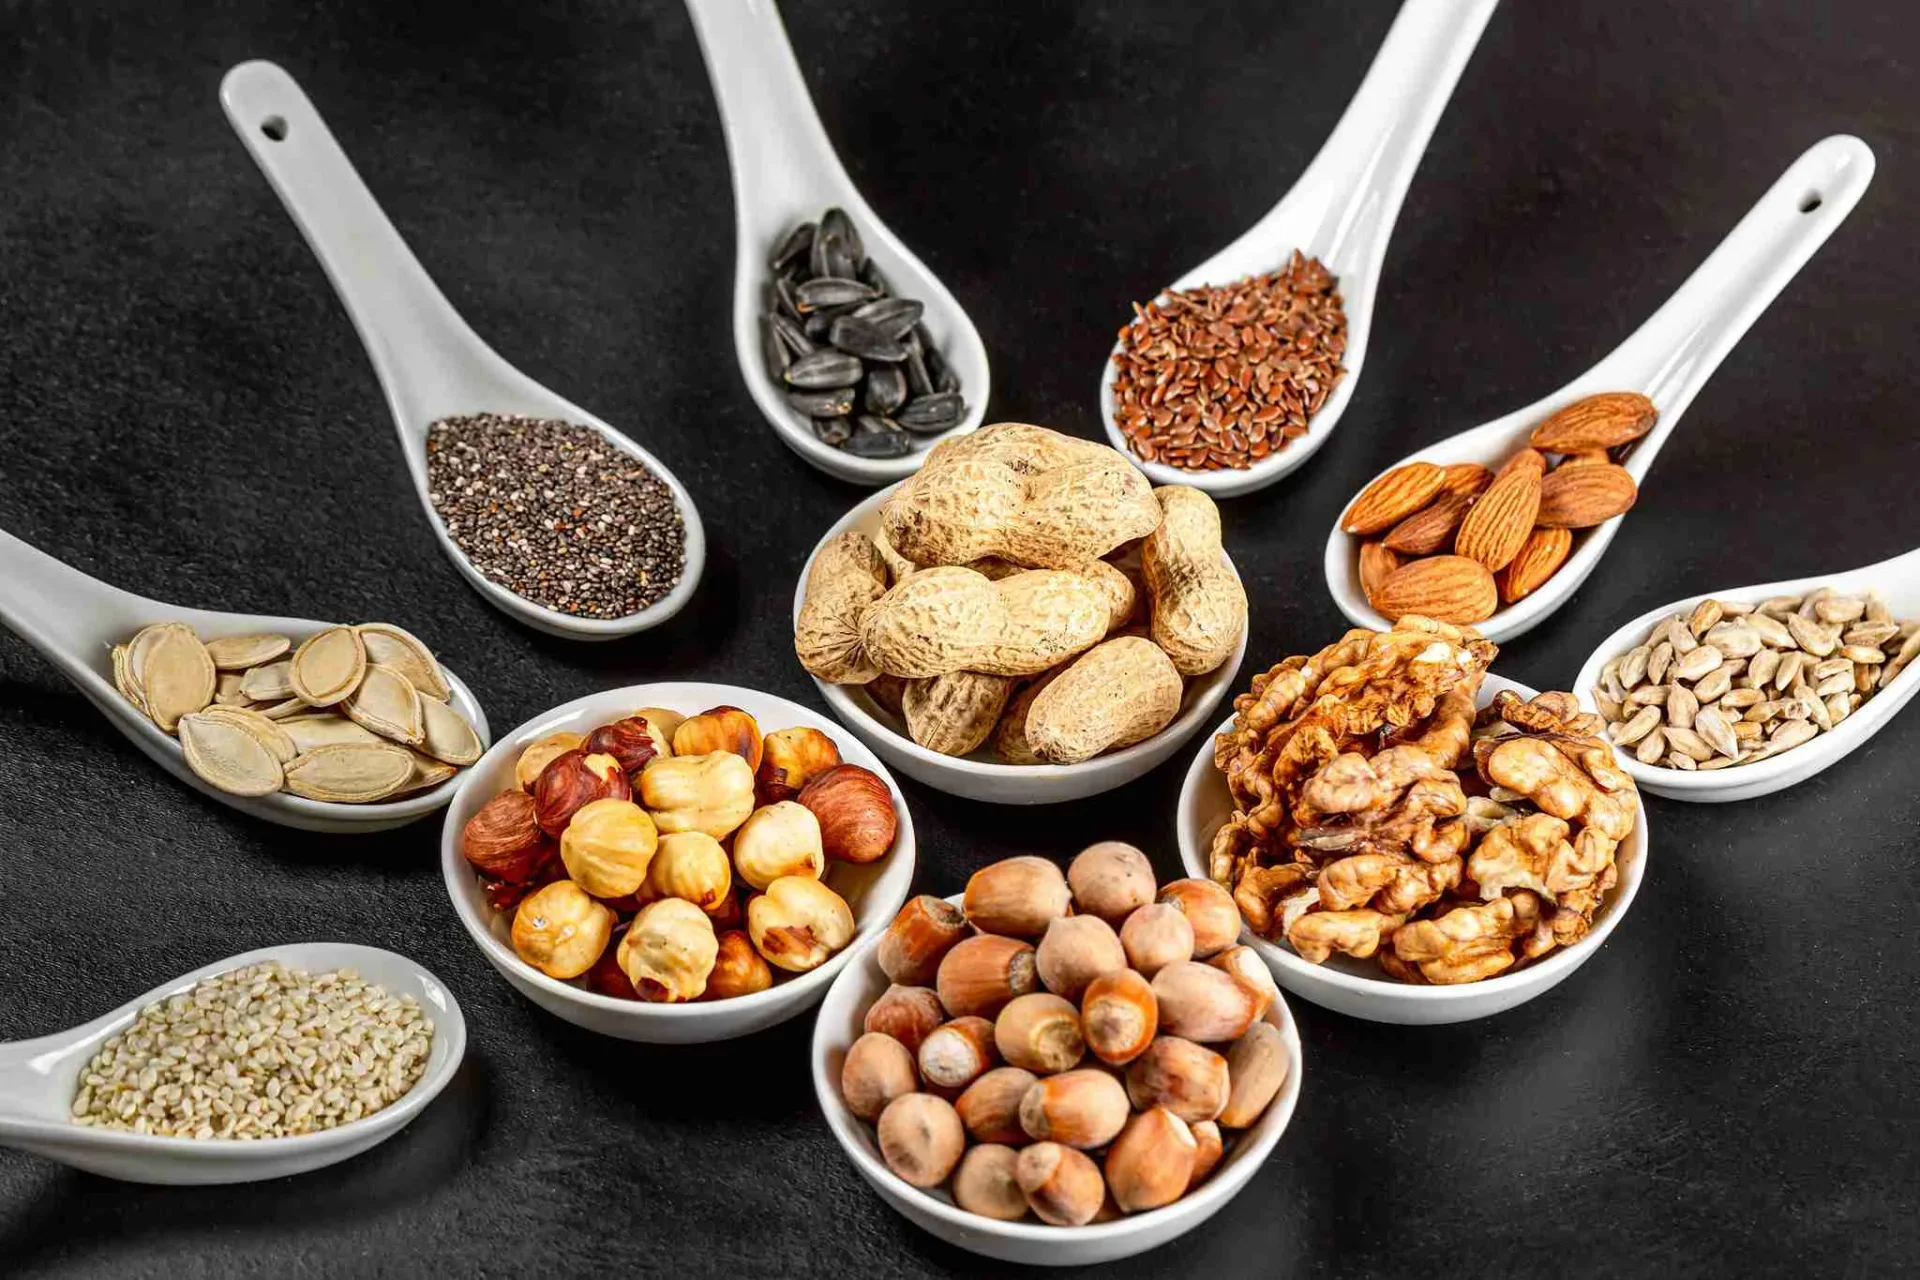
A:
{"x":840,"y":260}
{"x":831,"y":291}
{"x":833,"y":431}
{"x":794,"y":248}
{"x":837,"y":403}
{"x":886,"y":390}
{"x":817,"y":254}
{"x":877,"y":438}
{"x":891,"y":316}
{"x":817,"y":326}
{"x":783,"y":297}
{"x":771,"y":347}
{"x":857,"y":337}
{"x":931,"y":413}
{"x":917,"y":378}
{"x":836,"y":221}
{"x":871,"y":276}
{"x":823,"y":371}
{"x":792,"y":334}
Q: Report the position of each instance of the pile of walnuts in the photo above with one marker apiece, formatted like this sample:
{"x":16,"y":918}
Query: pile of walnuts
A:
{"x":1377,"y":813}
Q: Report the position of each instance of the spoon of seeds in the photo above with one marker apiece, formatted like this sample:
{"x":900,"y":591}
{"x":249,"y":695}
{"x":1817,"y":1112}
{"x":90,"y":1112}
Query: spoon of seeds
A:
{"x":1339,"y":216}
{"x":443,"y":385}
{"x":62,"y":1096}
{"x":171,"y":680}
{"x":785,"y":173}
{"x":1660,"y":368}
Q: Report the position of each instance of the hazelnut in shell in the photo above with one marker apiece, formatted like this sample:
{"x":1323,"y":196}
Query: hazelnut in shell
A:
{"x":855,"y":809}
{"x":1245,"y":964}
{"x":719,"y":729}
{"x":920,"y":1138}
{"x":985,"y":1183}
{"x":1017,"y":897}
{"x":1155,"y":936}
{"x":925,"y":929}
{"x":1040,"y":1032}
{"x":1199,"y":1002}
{"x":629,"y":741}
{"x":571,"y":781}
{"x":668,"y":951}
{"x":503,"y":841}
{"x":1210,"y":1147}
{"x":689,"y":865}
{"x":790,"y":759}
{"x":1151,"y":1163}
{"x":908,"y":1014}
{"x":798,"y":923}
{"x":990,"y":1106}
{"x":1256,"y":1068}
{"x":957,"y":1053}
{"x":877,"y":1070}
{"x":1083,"y":1108}
{"x":1119,"y":1017}
{"x":1209,"y":908}
{"x":560,"y":930}
{"x":712,"y":794}
{"x":780,"y":839}
{"x":738,"y":969}
{"x":1061,"y":1185}
{"x":1187,"y":1079}
{"x":1074,"y":951}
{"x":1111,"y":880}
{"x":538,"y":755}
{"x":979,"y":975}
{"x":607,"y":847}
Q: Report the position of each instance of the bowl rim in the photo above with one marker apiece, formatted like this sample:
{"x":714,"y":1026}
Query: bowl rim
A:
{"x":1199,"y":694}
{"x":1542,"y":973}
{"x":453,"y":866}
{"x":1255,"y":1148}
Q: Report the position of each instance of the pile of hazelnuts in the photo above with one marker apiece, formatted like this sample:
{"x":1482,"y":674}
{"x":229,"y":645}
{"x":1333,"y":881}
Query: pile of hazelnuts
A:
{"x":667,"y":857}
{"x":1072,"y":1046}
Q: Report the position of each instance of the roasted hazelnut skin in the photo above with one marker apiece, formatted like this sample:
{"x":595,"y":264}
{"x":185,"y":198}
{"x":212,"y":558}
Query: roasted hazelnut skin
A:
{"x":1199,"y":1002}
{"x":1209,"y":909}
{"x":719,"y":729}
{"x":1187,"y":1079}
{"x":629,"y":741}
{"x":982,"y":973}
{"x":538,"y":755}
{"x":730,"y":912}
{"x":668,"y":951}
{"x":1155,"y":936}
{"x":560,"y":930}
{"x":661,"y":723}
{"x":791,"y":758}
{"x":1074,"y":951}
{"x":921,"y":1138}
{"x":738,"y":969}
{"x":986,"y":1184}
{"x":855,"y":809}
{"x":877,"y":1070}
{"x":908,"y":1014}
{"x":503,"y":841}
{"x":1151,"y":1163}
{"x":1017,"y":897}
{"x":781,"y":839}
{"x":607,"y":847}
{"x":798,"y":923}
{"x":692,"y":866}
{"x":574,"y":779}
{"x":1083,"y":1108}
{"x":909,"y":952}
{"x":1110,"y":880}
{"x":1040,"y":1032}
{"x":710,"y":793}
{"x":607,"y":977}
{"x":990,"y":1106}
{"x":1062,"y":1185}
{"x":1119,"y":1016}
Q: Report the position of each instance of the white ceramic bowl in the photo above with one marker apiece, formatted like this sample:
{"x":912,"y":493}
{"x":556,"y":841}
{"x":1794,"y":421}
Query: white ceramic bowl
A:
{"x":875,"y":891}
{"x":981,"y":776}
{"x":1031,"y":1241}
{"x":1358,"y":987}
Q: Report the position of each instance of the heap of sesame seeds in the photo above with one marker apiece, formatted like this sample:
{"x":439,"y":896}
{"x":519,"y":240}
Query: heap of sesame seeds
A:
{"x":555,"y":514}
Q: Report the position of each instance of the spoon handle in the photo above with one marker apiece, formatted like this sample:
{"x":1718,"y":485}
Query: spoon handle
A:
{"x":64,"y":613}
{"x":1672,"y":355}
{"x":428,"y":361}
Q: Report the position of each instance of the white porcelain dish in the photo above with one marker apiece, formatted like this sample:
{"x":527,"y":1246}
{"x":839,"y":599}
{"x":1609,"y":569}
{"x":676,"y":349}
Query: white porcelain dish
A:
{"x":430,"y":364}
{"x":1669,"y":358}
{"x":39,"y":1078}
{"x":1031,"y":1241}
{"x":874,"y":891}
{"x":981,"y":776}
{"x":75,"y":620}
{"x":1342,"y":212}
{"x":1897,"y":580}
{"x":1357,"y":987}
{"x":785,"y":172}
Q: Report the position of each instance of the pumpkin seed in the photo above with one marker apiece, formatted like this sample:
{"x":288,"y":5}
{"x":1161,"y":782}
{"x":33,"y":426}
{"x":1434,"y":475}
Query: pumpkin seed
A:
{"x":308,"y":732}
{"x":271,"y":683}
{"x":271,"y":735}
{"x":328,"y":666}
{"x":237,"y":653}
{"x":402,"y":651}
{"x":427,"y":773}
{"x":448,"y":736}
{"x":385,"y":702}
{"x":226,"y":754}
{"x":177,"y":678}
{"x":350,"y":773}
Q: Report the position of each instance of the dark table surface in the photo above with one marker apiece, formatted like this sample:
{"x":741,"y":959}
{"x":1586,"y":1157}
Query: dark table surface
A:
{"x":185,"y":410}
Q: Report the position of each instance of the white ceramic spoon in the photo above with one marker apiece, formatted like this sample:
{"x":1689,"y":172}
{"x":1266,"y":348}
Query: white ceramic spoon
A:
{"x":1341,"y":211}
{"x":785,"y":172}
{"x":1669,"y":358}
{"x":1898,"y":582}
{"x":74,"y":621}
{"x":39,"y":1079}
{"x":429,"y":363}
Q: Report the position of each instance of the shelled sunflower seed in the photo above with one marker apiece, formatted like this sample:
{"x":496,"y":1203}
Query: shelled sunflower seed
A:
{"x":853,"y":359}
{"x":1733,"y":682}
{"x":353,"y":715}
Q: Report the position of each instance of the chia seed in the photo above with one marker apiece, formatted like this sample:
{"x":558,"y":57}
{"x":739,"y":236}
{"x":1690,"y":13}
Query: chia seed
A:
{"x":555,"y":514}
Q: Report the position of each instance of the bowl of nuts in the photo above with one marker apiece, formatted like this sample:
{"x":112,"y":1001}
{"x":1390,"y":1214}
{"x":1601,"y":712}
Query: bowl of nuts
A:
{"x":1026,"y":620}
{"x":1408,"y":838}
{"x":1056,"y":1069}
{"x":653,"y":864}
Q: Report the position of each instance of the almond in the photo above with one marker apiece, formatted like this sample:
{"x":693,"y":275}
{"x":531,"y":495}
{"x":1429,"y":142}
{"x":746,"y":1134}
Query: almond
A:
{"x":1501,"y":520}
{"x":1376,"y":562}
{"x":1541,"y":556}
{"x":1597,"y":422}
{"x":1585,"y":458}
{"x":1466,"y":478}
{"x":1445,"y":588}
{"x":1532,"y":459}
{"x":1428,"y":531}
{"x":1392,"y":498}
{"x":1581,"y":497}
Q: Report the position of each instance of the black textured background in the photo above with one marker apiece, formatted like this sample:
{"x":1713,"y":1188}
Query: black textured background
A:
{"x":184,"y":410}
